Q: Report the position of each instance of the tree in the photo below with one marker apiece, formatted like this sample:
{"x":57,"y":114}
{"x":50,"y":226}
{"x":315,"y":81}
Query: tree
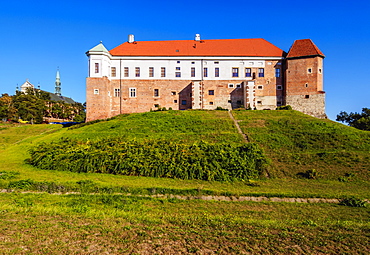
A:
{"x":7,"y":110}
{"x":357,"y":120}
{"x":29,"y":107}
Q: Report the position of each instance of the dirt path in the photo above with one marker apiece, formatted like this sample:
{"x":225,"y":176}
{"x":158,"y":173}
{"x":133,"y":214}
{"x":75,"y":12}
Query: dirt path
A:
{"x":211,"y":198}
{"x":245,"y":137}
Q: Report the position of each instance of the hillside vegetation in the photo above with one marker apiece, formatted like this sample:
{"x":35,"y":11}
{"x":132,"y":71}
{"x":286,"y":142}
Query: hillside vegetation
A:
{"x":102,"y":213}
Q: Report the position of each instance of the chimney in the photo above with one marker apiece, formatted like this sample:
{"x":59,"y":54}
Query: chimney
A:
{"x":197,"y":37}
{"x":131,"y":38}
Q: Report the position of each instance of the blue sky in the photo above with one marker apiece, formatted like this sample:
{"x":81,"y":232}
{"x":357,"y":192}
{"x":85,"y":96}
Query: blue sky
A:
{"x":37,"y":37}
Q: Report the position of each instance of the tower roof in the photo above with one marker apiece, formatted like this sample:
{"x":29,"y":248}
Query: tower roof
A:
{"x":304,"y":48}
{"x":99,"y":48}
{"x":223,"y":47}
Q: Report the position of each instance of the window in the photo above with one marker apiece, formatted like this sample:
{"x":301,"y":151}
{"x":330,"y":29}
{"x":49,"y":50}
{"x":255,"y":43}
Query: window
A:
{"x":132,"y":92}
{"x":216,"y":62}
{"x":320,"y":70}
{"x":113,"y":71}
{"x":156,"y":105}
{"x":192,"y":63}
{"x":193,"y":72}
{"x":261,"y":72}
{"x":156,"y":92}
{"x":211,"y":92}
{"x":260,"y":87}
{"x":238,"y":85}
{"x":96,"y":67}
{"x":231,"y":85}
{"x":259,"y":102}
{"x":96,"y":92}
{"x":175,"y":101}
{"x":217,"y":72}
{"x":279,"y":87}
{"x":306,"y":85}
{"x":178,"y":62}
{"x":173,"y":93}
{"x":163,"y":72}
{"x":248,"y":72}
{"x":151,"y":71}
{"x":307,"y":96}
{"x":235,"y":72}
{"x":125,"y":71}
{"x":183,"y":102}
{"x":279,"y":103}
{"x":309,"y":70}
{"x":137,"y":71}
{"x":117,"y":93}
{"x":205,"y":72}
{"x":178,"y":68}
{"x":210,"y":103}
{"x":178,"y":74}
{"x":277,"y":72}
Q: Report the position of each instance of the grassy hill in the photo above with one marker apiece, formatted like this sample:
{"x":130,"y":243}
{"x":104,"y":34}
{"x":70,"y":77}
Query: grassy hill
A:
{"x":118,"y":214}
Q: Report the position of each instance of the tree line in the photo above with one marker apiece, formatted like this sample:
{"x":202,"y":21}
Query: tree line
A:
{"x":35,"y":105}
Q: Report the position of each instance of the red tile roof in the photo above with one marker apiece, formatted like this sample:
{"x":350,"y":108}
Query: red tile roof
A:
{"x":224,"y":47}
{"x":303,"y":48}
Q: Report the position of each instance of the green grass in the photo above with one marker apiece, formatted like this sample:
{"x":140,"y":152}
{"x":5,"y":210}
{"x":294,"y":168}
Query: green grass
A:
{"x":298,"y":143}
{"x":113,"y":224}
{"x":99,"y":221}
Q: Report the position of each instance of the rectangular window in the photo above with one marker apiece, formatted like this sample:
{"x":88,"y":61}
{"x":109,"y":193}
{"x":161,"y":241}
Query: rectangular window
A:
{"x":132,"y":92}
{"x":183,"y":102}
{"x":163,"y":72}
{"x":231,"y":85}
{"x":217,"y":72}
{"x":193,"y":72}
{"x":238,"y":85}
{"x":205,"y":72}
{"x":260,"y":87}
{"x":248,"y":72}
{"x":210,"y":103}
{"x":173,"y":93}
{"x":211,"y":92}
{"x":261,"y":72}
{"x":216,"y":62}
{"x":235,"y":72}
{"x":125,"y":71}
{"x":178,"y":74}
{"x":96,"y":67}
{"x":117,"y":93}
{"x":156,"y":92}
{"x":113,"y":69}
{"x":175,"y":101}
{"x":277,"y":72}
{"x":309,"y":70}
{"x":96,"y":92}
{"x":279,"y":87}
{"x":178,"y":68}
{"x":151,"y":71}
{"x":137,"y":71}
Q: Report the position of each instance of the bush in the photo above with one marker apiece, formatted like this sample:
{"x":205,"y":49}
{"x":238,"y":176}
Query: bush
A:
{"x":353,"y":202}
{"x":284,"y":107}
{"x":152,"y":158}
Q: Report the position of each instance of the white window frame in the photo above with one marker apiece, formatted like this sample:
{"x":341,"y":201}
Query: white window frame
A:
{"x":132,"y":92}
{"x":230,"y":85}
{"x":96,"y":91}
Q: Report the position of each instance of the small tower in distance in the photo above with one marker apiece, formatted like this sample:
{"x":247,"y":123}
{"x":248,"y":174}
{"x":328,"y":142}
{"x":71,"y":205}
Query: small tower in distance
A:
{"x":58,"y":90}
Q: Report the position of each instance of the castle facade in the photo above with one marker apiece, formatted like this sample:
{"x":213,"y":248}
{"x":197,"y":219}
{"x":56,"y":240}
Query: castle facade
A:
{"x":138,"y":76}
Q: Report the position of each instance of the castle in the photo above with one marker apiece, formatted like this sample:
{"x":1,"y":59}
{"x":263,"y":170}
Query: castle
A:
{"x":138,"y":76}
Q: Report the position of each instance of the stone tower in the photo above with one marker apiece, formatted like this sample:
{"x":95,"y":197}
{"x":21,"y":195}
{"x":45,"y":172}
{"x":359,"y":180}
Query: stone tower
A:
{"x":58,"y":90}
{"x":304,"y":78}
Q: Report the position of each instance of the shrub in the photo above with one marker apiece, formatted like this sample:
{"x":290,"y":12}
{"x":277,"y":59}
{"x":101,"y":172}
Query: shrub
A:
{"x":353,"y":202}
{"x":284,"y":107}
{"x":152,"y":158}
{"x":309,"y":174}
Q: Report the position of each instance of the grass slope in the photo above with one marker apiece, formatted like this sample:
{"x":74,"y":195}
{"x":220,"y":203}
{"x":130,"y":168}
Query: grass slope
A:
{"x":105,"y":223}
